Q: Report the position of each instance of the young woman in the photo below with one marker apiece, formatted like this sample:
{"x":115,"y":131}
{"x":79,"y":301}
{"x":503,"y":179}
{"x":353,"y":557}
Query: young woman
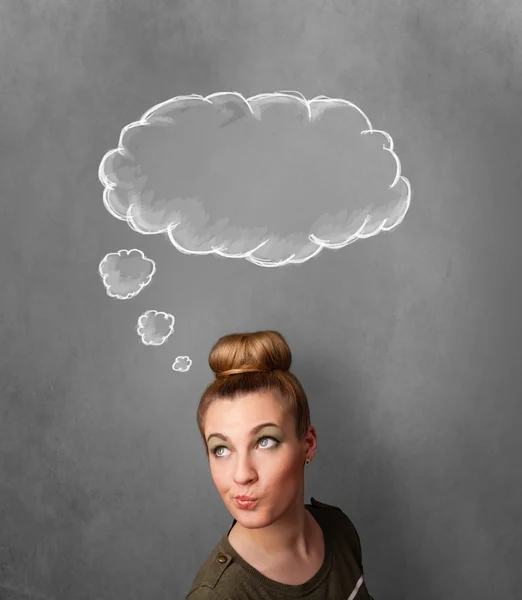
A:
{"x":255,"y":424}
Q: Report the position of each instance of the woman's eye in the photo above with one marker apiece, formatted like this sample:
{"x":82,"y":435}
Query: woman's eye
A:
{"x":266,"y":437}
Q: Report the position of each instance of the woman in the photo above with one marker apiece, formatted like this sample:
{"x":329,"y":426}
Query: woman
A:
{"x":255,"y":424}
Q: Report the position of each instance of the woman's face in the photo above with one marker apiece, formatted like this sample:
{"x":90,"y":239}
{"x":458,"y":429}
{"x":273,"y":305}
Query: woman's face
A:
{"x":266,"y":463}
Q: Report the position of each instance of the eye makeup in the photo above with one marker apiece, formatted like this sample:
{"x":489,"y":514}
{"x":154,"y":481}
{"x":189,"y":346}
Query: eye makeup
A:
{"x":263,"y":437}
{"x":213,"y":449}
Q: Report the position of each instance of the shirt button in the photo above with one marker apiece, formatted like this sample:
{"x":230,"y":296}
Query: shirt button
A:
{"x":222,"y":558}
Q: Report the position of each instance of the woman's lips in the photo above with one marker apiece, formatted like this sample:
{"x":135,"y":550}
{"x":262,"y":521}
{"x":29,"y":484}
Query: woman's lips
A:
{"x":245,"y":504}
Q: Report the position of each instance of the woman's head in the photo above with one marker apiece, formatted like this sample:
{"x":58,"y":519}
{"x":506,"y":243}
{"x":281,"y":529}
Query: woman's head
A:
{"x":267,"y":462}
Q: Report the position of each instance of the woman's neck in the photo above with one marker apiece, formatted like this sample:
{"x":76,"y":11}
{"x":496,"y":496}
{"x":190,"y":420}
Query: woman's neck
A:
{"x":293,"y":536}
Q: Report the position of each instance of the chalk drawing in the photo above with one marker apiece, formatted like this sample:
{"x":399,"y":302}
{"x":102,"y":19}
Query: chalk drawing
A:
{"x":155,"y":327}
{"x":182,"y":364}
{"x":126,"y":272}
{"x":272,"y":179}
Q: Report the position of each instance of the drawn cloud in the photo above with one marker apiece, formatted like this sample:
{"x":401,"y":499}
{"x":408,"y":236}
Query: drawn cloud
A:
{"x":182,"y":364}
{"x":273,"y":178}
{"x":155,"y":327}
{"x":125,"y":273}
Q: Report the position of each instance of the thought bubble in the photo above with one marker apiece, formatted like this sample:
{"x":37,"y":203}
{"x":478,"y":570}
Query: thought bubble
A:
{"x":182,"y":364}
{"x":125,"y":273}
{"x":273,"y":178}
{"x":155,"y":327}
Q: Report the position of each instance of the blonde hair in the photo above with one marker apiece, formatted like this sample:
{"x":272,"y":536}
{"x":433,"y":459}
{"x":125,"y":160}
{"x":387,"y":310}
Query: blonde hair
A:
{"x":246,"y":363}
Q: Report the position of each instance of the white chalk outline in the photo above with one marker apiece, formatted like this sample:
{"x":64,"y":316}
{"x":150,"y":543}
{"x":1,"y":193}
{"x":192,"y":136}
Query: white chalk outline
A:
{"x":189,"y":360}
{"x":105,"y":276}
{"x":145,"y":316}
{"x":220,"y":251}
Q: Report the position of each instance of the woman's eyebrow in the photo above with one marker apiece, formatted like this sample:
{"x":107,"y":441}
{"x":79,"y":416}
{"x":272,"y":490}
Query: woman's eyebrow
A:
{"x":252,"y":431}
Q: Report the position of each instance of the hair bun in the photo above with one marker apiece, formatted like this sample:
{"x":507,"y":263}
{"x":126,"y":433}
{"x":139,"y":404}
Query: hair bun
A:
{"x":257,"y":352}
{"x":239,"y":371}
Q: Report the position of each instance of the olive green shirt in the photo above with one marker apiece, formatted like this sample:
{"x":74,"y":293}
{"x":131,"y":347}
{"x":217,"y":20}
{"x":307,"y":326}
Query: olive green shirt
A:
{"x":226,"y":576}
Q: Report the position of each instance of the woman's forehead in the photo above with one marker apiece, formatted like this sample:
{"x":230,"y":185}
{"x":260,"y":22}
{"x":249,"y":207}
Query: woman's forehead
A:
{"x":246,"y":409}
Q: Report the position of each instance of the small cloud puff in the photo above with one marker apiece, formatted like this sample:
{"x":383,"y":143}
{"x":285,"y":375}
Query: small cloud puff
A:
{"x":182,"y":364}
{"x":155,"y":327}
{"x":125,"y":273}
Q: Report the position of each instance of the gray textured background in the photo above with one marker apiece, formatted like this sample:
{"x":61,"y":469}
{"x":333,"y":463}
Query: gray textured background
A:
{"x":408,"y":344}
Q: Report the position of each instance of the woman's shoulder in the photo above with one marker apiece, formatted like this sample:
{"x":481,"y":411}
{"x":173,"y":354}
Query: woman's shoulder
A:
{"x":338,"y":524}
{"x":214,"y":572}
{"x":330,"y":512}
{"x":317,"y":504}
{"x":203,"y":593}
